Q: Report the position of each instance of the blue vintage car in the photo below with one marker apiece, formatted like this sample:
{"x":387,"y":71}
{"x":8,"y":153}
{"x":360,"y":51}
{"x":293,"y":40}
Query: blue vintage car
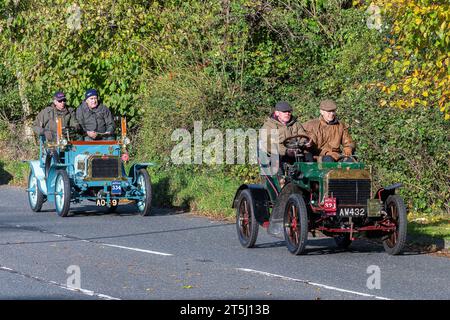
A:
{"x":74,"y":170}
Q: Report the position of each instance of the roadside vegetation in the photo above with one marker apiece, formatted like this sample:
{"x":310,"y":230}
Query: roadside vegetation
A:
{"x":166,"y":64}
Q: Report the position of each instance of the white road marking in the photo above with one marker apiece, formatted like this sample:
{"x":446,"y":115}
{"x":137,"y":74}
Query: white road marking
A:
{"x":312,"y":283}
{"x":135,"y":249}
{"x":62,"y":286}
{"x":102,"y":244}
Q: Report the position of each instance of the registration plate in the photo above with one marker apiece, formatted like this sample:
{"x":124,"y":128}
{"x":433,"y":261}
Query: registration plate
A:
{"x":116,"y":188}
{"x":352,"y":212}
{"x":102,"y":202}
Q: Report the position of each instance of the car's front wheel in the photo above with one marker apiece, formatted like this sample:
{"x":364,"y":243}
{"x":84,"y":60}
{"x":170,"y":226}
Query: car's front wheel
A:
{"x":145,"y":189}
{"x":295,"y":224}
{"x":62,"y":193}
{"x":396,"y":210}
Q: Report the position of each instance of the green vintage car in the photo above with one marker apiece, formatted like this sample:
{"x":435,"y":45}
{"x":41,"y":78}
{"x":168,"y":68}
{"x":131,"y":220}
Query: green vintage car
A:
{"x":335,"y":198}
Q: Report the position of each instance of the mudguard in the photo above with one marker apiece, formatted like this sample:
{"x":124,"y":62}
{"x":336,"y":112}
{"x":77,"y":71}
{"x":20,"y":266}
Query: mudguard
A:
{"x":260,"y":198}
{"x":39,"y":173}
{"x":135,"y":168}
{"x":383,"y":193}
{"x":277,"y":216}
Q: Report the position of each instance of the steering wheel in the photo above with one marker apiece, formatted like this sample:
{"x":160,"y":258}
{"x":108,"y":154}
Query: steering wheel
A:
{"x":296,"y":142}
{"x":70,"y":132}
{"x":343,"y":156}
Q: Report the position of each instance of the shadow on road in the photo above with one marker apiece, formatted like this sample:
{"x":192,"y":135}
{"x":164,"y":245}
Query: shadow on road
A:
{"x":5,"y":176}
{"x":92,"y":239}
{"x":325,"y":246}
{"x":122,"y":210}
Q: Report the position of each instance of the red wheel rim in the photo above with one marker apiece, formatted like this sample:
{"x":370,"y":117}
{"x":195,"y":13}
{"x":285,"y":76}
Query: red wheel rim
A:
{"x":392,"y":240}
{"x":244,"y":218}
{"x":292,"y":224}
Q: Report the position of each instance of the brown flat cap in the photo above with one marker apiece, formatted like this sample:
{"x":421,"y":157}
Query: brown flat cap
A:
{"x":328,"y":105}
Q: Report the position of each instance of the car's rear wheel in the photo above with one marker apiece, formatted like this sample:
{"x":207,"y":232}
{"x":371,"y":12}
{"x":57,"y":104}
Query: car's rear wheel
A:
{"x":295,"y":224}
{"x":396,"y":210}
{"x":246,"y":225}
{"x":343,"y":241}
{"x":62,"y":193}
{"x":145,"y":189}
{"x":35,"y":195}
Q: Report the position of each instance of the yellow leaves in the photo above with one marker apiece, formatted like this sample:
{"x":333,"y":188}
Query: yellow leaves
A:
{"x":406,"y":89}
{"x":417,"y":59}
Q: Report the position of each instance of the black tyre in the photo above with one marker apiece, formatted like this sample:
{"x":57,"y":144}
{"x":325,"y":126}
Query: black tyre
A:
{"x":396,"y":210}
{"x":35,"y":196}
{"x":295,"y":224}
{"x":343,"y":241}
{"x":246,"y":225}
{"x":62,"y":193}
{"x":145,"y":188}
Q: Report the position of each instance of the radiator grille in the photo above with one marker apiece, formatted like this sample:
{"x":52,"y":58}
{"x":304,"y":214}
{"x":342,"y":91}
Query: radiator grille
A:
{"x":105,"y":167}
{"x":350,"y":191}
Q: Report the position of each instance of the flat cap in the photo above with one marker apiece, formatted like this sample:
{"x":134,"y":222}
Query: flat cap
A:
{"x":283,"y":106}
{"x":328,"y":105}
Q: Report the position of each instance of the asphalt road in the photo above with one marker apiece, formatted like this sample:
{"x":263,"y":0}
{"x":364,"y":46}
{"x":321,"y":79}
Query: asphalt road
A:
{"x":174,"y":255}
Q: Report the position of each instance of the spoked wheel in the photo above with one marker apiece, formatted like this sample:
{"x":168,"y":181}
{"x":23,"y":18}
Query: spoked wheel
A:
{"x":295,"y":224}
{"x":343,"y":241}
{"x":35,"y":195}
{"x":396,"y":210}
{"x":145,"y":189}
{"x":246,"y":225}
{"x":62,"y":193}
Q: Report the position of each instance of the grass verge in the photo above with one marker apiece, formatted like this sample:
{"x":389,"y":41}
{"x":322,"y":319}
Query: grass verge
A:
{"x":14,"y":173}
{"x":207,"y":194}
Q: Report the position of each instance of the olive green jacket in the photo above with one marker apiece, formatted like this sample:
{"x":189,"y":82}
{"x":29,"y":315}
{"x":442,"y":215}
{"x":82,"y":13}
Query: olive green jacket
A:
{"x":46,"y":121}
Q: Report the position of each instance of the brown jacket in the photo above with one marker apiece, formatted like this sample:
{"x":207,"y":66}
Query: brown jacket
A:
{"x":328,"y":138}
{"x":290,"y":129}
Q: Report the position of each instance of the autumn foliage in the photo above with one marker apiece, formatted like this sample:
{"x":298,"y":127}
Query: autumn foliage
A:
{"x":165,"y":64}
{"x":417,"y":57}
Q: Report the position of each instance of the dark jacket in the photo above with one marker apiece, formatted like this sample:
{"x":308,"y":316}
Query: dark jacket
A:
{"x":328,"y":137}
{"x":292,"y":128}
{"x":98,"y":119}
{"x":45,"y":123}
